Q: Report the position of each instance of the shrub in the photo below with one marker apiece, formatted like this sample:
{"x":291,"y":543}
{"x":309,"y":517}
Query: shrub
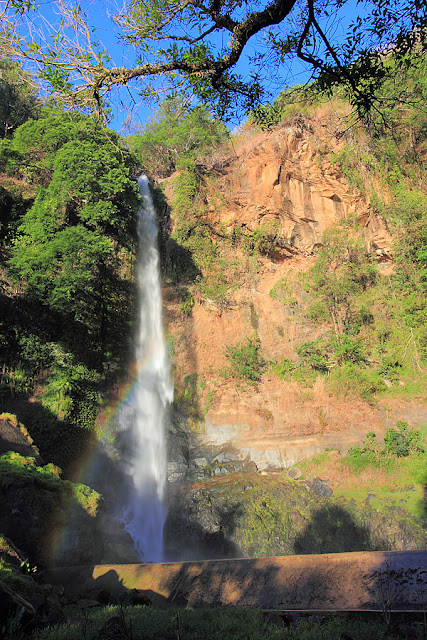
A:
{"x":317,"y":312}
{"x":313,"y":355}
{"x":246,"y":362}
{"x":390,"y":368}
{"x":283,"y":367}
{"x":398,"y":443}
{"x":347,"y":349}
{"x":186,"y":303}
{"x":369,"y":449}
{"x":263,"y":239}
{"x":350,"y":379}
{"x":403,"y":441}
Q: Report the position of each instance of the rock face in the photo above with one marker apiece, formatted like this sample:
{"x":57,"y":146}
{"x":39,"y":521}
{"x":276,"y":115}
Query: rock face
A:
{"x":282,"y":179}
{"x":14,"y":437}
{"x":250,"y":515}
{"x":275,"y":423}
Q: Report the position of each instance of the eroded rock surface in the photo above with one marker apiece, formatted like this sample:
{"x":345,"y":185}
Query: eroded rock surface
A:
{"x":283,"y":178}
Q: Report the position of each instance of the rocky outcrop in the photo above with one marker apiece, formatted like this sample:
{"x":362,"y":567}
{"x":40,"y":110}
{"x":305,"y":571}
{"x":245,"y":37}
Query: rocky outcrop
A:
{"x":52,"y":521}
{"x":253,"y":515}
{"x":284,"y":180}
{"x":15,"y":437}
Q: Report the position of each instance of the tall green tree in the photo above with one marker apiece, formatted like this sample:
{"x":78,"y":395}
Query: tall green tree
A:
{"x":18,"y":97}
{"x":69,"y":249}
{"x":342,"y":270}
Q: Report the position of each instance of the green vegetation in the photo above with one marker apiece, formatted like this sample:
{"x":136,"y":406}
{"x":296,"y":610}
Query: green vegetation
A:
{"x":343,"y":271}
{"x":23,"y":470}
{"x":187,"y":398}
{"x":290,"y":103}
{"x":374,"y":329}
{"x":246,"y":361}
{"x":370,"y":329}
{"x":400,"y":443}
{"x":66,"y":272}
{"x":379,"y":476}
{"x":282,"y":292}
{"x":45,"y":506}
{"x":197,"y":253}
{"x":262,"y":240}
{"x":192,"y":240}
{"x":175,"y":136}
{"x":193,"y":251}
{"x":18,"y":98}
{"x":193,"y":398}
{"x":217,"y":623}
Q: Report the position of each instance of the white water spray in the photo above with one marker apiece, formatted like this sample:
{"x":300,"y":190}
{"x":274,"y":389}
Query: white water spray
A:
{"x":144,"y":417}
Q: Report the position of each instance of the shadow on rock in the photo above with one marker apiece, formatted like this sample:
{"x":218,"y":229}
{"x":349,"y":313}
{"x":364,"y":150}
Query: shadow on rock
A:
{"x":332,"y":529}
{"x":193,"y":535}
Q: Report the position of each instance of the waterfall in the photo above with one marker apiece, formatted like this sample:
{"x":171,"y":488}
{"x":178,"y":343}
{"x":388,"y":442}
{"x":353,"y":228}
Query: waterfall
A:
{"x":144,"y":416}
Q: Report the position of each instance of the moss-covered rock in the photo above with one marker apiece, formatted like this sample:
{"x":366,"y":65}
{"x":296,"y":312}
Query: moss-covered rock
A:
{"x":53,"y":521}
{"x":15,"y":437}
{"x":251,"y":515}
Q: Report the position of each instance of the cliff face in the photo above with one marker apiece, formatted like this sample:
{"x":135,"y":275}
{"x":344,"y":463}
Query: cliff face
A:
{"x":285,"y":178}
{"x":283,"y":181}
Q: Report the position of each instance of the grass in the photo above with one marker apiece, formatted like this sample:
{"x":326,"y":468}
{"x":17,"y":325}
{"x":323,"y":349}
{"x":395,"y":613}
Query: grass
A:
{"x":390,"y":481}
{"x":147,"y":623}
{"x":218,"y":623}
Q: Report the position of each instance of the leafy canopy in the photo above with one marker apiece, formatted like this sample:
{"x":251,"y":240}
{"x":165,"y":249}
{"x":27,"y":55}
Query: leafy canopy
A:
{"x":18,"y":98}
{"x":66,"y":250}
{"x":175,"y":135}
{"x":342,"y":270}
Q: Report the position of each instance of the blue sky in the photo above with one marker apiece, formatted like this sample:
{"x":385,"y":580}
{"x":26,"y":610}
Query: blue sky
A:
{"x":125,"y":102}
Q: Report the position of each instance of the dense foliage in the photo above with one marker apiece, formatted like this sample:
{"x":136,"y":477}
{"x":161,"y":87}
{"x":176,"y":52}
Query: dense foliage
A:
{"x":176,"y":135}
{"x":246,"y":361}
{"x":68,"y":284}
{"x":18,"y":98}
{"x":400,"y":442}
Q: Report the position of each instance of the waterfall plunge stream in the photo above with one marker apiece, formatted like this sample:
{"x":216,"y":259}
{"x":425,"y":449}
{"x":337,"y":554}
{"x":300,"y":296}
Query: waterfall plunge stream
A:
{"x":143,"y":418}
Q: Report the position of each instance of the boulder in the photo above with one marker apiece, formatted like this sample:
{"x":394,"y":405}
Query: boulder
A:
{"x":321,"y":488}
{"x":15,"y":437}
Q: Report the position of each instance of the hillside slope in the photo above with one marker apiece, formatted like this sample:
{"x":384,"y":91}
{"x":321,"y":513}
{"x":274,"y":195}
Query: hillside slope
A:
{"x":320,"y":380}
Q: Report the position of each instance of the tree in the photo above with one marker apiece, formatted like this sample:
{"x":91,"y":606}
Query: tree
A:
{"x":69,"y":246}
{"x":196,"y":44}
{"x":18,"y":98}
{"x":176,"y":133}
{"x":343,"y":269}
